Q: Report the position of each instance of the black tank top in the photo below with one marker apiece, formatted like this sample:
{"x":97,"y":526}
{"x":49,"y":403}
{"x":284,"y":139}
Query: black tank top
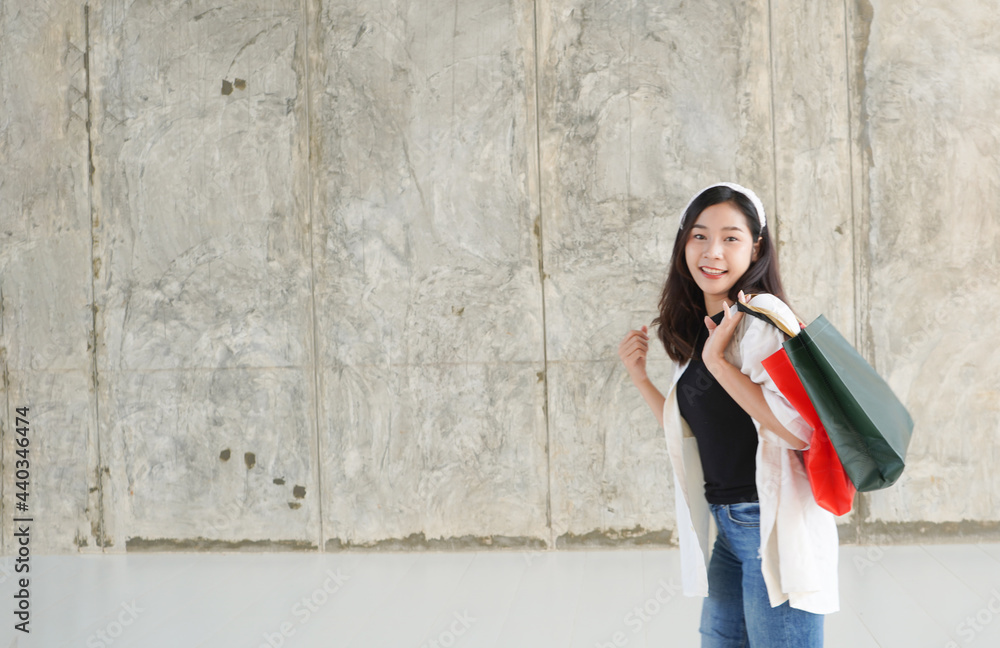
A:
{"x":726,"y":436}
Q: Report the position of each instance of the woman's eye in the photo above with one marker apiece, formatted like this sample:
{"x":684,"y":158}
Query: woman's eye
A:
{"x":698,"y":237}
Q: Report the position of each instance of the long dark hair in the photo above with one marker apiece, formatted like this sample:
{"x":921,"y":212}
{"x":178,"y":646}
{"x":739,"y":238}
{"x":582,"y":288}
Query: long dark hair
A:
{"x":682,"y":303}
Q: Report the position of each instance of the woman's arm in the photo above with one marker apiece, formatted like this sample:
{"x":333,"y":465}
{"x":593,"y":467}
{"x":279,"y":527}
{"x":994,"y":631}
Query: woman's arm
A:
{"x":748,"y":394}
{"x":633,"y":351}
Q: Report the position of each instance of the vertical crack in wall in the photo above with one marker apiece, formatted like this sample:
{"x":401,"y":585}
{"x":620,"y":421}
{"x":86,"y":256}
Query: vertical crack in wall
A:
{"x":316,"y":377}
{"x":861,"y":505}
{"x":97,"y":525}
{"x":861,"y":23}
{"x":628,"y":112}
{"x":6,"y":417}
{"x":850,"y":169}
{"x":628,"y":214}
{"x":541,"y":278}
{"x":773,"y":221}
{"x":855,"y":46}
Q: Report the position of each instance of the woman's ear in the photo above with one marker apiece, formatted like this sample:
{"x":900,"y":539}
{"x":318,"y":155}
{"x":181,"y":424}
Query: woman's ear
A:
{"x":756,"y":249}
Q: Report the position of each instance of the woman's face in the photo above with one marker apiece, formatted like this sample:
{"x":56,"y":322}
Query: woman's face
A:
{"x":718,"y":251}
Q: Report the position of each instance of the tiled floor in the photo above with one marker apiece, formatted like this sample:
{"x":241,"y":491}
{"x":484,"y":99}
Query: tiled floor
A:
{"x":940,"y":596}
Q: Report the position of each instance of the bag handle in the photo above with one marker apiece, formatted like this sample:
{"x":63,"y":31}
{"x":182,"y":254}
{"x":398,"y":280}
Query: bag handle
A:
{"x":769,"y":316}
{"x":761,"y":316}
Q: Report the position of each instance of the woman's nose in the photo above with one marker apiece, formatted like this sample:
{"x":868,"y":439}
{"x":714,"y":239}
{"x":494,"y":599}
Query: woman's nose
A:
{"x":713,"y":249}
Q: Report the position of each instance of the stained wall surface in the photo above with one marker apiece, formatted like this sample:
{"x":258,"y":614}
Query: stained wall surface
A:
{"x":320,"y":275}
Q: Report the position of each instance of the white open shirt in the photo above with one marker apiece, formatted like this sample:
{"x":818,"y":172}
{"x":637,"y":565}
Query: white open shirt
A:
{"x":804,"y":571}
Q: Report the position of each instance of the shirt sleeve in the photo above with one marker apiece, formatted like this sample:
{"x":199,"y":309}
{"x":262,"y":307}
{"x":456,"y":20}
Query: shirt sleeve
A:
{"x":760,"y":340}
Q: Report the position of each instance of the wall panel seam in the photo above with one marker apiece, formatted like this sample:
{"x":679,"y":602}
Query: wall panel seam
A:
{"x":541,"y":280}
{"x":861,"y":509}
{"x":317,"y":382}
{"x":100,"y":540}
{"x":850,"y":169}
{"x":6,"y":413}
{"x":775,"y":227}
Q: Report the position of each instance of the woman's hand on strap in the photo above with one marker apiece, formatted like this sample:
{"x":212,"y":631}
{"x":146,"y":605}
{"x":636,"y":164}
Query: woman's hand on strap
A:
{"x":720,"y":335}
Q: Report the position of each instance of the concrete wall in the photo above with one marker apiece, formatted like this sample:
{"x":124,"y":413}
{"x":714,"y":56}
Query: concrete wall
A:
{"x":301,"y":274}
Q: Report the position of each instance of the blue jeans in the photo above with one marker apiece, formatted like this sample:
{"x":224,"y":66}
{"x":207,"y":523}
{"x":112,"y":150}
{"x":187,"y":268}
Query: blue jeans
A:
{"x":737,"y":612}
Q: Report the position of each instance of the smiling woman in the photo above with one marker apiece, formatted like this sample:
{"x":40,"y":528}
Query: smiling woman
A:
{"x":732,"y":437}
{"x":718,"y":252}
{"x":683,"y":303}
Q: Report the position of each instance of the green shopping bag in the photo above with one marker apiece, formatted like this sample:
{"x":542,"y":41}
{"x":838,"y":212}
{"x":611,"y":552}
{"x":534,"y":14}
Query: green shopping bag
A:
{"x":869,"y":427}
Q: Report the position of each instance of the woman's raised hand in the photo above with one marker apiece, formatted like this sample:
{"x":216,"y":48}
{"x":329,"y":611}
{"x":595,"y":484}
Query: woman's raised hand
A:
{"x":633,"y":351}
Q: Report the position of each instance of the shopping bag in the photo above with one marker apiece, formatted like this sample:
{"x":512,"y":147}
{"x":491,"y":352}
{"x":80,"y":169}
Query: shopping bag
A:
{"x":867,"y":424}
{"x":831,"y":487}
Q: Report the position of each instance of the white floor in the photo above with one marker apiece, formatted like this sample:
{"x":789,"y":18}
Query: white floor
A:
{"x":941,"y":596}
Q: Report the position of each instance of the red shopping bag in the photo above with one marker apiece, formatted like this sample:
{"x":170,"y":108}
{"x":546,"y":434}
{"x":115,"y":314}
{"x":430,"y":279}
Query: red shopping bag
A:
{"x":831,"y":486}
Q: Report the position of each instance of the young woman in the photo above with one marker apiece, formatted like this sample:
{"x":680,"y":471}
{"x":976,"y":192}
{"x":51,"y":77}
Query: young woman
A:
{"x":733,"y":440}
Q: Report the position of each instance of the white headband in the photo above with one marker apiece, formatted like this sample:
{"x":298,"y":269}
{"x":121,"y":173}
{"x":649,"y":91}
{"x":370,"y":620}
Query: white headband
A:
{"x":759,"y":206}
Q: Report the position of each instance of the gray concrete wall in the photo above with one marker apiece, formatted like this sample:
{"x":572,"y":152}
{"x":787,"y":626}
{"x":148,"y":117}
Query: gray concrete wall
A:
{"x":300,"y":274}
